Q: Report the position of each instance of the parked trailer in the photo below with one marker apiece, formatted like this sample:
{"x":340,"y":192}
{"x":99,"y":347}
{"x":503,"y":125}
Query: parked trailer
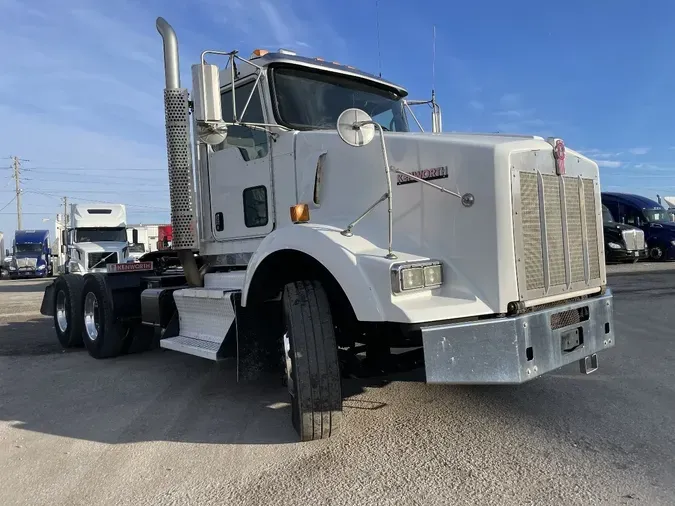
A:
{"x":351,"y":236}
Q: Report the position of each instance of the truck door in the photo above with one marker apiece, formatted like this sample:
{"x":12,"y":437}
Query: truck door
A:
{"x":240,"y":172}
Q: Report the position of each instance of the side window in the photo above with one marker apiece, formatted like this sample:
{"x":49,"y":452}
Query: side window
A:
{"x":255,"y":206}
{"x":252,"y":143}
{"x":633,"y":215}
{"x":616,"y":212}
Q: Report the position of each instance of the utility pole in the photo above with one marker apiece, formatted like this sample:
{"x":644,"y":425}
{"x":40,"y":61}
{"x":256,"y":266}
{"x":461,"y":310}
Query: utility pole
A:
{"x":65,"y":213}
{"x":17,"y":182}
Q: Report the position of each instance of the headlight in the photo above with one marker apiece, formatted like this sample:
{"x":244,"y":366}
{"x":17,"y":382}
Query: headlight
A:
{"x":74,"y":267}
{"x":672,"y":242}
{"x":42,"y":267}
{"x":407,"y":277}
{"x":614,"y":245}
{"x":12,"y":268}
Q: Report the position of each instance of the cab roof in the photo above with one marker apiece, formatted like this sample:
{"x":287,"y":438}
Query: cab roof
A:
{"x":30,"y":236}
{"x":312,"y":63}
{"x":636,"y":200}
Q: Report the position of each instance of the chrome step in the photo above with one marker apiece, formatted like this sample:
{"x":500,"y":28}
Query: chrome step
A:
{"x":206,"y":316}
{"x":197,"y":347}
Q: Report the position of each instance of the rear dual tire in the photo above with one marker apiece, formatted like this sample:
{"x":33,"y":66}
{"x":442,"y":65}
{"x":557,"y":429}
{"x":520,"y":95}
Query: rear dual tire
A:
{"x":67,"y":310}
{"x":102,"y":334}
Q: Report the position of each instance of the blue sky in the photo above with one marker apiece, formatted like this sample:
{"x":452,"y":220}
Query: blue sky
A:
{"x":81,"y":82}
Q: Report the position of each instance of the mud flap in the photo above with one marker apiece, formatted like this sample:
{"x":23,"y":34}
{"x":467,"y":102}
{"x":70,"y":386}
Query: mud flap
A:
{"x":259,"y":339}
{"x":47,"y":307}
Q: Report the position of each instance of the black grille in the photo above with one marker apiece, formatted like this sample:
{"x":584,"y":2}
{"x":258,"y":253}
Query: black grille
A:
{"x":98,"y":258}
{"x":569,"y":317}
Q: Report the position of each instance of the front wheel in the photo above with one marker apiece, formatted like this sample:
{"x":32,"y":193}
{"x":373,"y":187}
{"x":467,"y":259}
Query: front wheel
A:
{"x":656,"y":253}
{"x":311,"y":360}
{"x":103,"y":336}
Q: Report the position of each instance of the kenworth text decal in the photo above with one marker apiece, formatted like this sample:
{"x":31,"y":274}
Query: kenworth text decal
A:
{"x":426,"y":174}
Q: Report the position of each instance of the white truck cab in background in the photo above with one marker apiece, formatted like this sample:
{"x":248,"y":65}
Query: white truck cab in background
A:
{"x":96,"y":237}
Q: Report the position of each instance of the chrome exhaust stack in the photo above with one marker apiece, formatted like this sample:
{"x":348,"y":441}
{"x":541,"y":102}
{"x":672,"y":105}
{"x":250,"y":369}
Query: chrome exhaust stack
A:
{"x":179,"y":155}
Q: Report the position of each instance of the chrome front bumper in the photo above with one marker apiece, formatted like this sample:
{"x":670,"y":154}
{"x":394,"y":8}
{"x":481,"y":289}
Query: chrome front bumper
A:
{"x":517,"y":349}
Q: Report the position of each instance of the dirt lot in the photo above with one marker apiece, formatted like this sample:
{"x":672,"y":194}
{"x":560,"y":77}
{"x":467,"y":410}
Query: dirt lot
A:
{"x":164,"y":428}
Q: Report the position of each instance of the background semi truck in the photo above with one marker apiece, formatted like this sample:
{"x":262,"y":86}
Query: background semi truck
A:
{"x":316,"y":236}
{"x":96,"y":236}
{"x":145,"y":239}
{"x":31,"y":254}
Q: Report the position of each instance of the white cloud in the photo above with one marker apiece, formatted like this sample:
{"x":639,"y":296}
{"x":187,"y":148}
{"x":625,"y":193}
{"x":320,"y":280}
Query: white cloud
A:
{"x":510,"y":101}
{"x":274,"y":24}
{"x":516,"y":113}
{"x":609,"y":164}
{"x":639,"y":151}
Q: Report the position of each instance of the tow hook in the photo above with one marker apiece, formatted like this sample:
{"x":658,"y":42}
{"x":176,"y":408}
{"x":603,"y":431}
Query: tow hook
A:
{"x":588,"y":364}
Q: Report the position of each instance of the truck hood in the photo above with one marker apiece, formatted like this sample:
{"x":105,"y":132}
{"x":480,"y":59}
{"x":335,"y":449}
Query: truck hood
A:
{"x":100,"y":247}
{"x":490,"y":242}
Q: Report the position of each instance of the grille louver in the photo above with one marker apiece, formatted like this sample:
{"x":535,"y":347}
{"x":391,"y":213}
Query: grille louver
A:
{"x":556,"y":232}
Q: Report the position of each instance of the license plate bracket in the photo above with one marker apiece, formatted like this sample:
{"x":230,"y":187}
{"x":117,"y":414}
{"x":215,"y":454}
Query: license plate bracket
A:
{"x":572,"y":339}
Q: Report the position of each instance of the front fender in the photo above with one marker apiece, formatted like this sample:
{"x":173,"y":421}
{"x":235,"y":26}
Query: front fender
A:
{"x":338,"y":254}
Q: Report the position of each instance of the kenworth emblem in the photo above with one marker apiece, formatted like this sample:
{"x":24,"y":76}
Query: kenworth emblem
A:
{"x":426,"y":174}
{"x":558,"y":154}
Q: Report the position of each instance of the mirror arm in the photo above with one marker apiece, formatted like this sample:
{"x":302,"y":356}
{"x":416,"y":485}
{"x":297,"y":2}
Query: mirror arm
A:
{"x":390,"y":253}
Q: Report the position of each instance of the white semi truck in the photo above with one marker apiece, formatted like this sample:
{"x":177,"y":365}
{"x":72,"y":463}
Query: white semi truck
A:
{"x":96,"y":237}
{"x":316,"y":234}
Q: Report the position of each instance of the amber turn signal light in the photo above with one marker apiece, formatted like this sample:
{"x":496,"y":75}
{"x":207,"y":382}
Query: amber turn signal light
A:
{"x":299,"y":213}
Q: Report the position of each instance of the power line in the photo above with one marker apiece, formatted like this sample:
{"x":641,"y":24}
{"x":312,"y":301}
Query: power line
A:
{"x":95,"y":201}
{"x":8,"y":203}
{"x":98,"y":169}
{"x":113,"y":192}
{"x":135,"y":211}
{"x":76,"y":178}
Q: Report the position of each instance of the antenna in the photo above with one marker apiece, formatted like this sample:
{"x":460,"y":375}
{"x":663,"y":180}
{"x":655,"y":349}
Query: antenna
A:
{"x":433,"y":64}
{"x":377,"y":23}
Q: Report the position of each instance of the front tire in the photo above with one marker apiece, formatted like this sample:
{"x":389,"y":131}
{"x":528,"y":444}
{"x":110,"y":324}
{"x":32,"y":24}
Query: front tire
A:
{"x":67,"y":310}
{"x":103,"y":336}
{"x":311,"y":356}
{"x":656,"y":254}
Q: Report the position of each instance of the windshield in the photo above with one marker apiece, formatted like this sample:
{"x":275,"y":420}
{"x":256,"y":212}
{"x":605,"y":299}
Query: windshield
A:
{"x":137,"y":248}
{"x":656,"y":215}
{"x":100,"y":234}
{"x":311,"y":100}
{"x":28,"y":248}
{"x":607,"y":215}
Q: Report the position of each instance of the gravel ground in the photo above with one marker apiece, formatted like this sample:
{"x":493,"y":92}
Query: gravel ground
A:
{"x":162,"y":428}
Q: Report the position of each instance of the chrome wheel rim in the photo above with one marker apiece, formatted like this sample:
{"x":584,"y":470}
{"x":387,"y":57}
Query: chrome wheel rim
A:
{"x":91,"y":324}
{"x":61,"y":314}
